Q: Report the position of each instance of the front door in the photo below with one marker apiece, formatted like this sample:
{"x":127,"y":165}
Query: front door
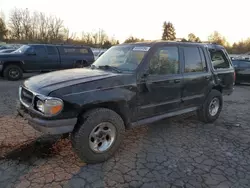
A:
{"x":36,"y":58}
{"x":160,"y":90}
{"x":196,"y":76}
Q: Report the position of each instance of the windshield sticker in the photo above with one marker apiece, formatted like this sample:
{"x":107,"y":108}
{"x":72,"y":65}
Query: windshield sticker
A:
{"x":141,"y":48}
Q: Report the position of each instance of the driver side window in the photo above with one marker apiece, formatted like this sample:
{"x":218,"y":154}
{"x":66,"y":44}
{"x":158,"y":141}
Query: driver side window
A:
{"x":165,"y":61}
{"x":31,"y":50}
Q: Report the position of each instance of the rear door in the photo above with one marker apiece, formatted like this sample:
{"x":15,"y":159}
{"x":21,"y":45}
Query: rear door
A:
{"x":161,"y":89}
{"x":196,"y":76}
{"x":53,"y":62}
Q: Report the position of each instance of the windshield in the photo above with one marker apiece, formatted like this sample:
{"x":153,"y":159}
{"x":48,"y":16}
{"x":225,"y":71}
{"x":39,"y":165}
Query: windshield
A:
{"x":22,"y":49}
{"x":124,"y":58}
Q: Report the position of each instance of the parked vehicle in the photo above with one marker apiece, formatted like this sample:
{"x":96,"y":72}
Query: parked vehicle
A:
{"x":42,"y":57}
{"x":7,"y":51}
{"x":242,"y":71}
{"x":10,"y":46}
{"x":129,"y":85}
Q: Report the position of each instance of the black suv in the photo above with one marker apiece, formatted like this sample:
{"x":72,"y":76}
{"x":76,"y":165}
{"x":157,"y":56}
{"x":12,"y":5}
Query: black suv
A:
{"x":129,"y":85}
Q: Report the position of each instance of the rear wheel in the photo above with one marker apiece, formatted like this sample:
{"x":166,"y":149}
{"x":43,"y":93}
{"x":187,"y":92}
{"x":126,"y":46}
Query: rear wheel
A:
{"x":13,"y":72}
{"x":211,"y":108}
{"x":80,"y":64}
{"x":98,"y":136}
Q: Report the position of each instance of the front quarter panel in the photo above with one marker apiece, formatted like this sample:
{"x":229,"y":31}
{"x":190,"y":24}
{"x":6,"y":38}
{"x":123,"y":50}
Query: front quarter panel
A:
{"x":120,"y":90}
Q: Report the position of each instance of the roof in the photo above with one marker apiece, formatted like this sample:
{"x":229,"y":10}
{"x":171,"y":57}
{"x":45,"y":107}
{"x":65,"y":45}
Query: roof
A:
{"x":152,"y":43}
{"x":64,"y":45}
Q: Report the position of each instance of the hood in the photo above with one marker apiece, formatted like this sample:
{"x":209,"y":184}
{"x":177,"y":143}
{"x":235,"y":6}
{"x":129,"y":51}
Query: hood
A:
{"x":46,"y":83}
{"x":8,"y":55}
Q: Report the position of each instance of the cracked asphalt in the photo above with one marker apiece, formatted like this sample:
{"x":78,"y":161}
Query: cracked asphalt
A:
{"x":177,"y":152}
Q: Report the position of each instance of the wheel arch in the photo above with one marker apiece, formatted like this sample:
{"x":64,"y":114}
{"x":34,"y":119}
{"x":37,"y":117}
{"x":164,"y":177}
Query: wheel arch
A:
{"x":120,"y":107}
{"x":18,"y":63}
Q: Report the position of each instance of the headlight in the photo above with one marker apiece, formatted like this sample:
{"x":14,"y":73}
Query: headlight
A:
{"x":49,"y":107}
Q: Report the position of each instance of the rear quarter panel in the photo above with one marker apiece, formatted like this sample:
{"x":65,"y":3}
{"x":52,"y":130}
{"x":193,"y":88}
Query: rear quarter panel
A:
{"x":224,"y":77}
{"x":69,"y":60}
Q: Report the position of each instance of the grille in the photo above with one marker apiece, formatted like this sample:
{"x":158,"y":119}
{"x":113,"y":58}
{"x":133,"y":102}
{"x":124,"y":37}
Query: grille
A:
{"x":26,"y":96}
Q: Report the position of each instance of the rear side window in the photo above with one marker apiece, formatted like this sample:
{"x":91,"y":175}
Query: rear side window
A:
{"x":244,"y":64}
{"x":75,"y":51}
{"x":219,"y":59}
{"x":51,"y":50}
{"x":193,"y":60}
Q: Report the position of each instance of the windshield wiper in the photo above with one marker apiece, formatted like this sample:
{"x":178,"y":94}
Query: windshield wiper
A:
{"x":110,"y":67}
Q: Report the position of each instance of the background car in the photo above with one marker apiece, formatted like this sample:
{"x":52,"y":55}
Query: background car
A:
{"x":242,"y":70}
{"x":7,"y":50}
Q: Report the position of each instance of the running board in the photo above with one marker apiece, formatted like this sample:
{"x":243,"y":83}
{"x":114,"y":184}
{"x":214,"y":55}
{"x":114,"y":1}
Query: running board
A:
{"x":163,"y":116}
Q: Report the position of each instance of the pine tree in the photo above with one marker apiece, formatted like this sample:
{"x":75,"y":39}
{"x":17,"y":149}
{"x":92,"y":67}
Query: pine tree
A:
{"x":168,"y":31}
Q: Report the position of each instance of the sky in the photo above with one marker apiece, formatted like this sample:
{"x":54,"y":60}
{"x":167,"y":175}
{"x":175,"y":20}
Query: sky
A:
{"x":144,"y":18}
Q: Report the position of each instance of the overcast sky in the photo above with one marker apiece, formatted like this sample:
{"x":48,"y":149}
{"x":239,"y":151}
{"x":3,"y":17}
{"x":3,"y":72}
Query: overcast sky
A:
{"x":144,"y":18}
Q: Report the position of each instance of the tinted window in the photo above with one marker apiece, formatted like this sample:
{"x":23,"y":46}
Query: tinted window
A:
{"x":165,"y":61}
{"x":71,"y":50}
{"x":219,"y":59}
{"x":30,"y":49}
{"x":193,"y":61}
{"x":245,"y":64}
{"x":204,"y":64}
{"x":235,"y":63}
{"x":40,"y":50}
{"x":51,"y":50}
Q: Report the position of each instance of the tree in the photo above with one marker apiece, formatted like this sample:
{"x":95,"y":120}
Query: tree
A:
{"x":15,"y":24}
{"x":184,"y":40}
{"x":132,"y":39}
{"x":26,"y":24}
{"x":107,"y":44}
{"x":3,"y":29}
{"x":168,"y":31}
{"x":217,"y":38}
{"x":193,"y":38}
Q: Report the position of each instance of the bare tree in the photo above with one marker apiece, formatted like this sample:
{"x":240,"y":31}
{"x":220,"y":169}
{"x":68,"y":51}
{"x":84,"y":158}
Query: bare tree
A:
{"x":43,"y":27}
{"x":87,"y":38}
{"x":102,"y":37}
{"x":26,"y":24}
{"x":56,"y":28}
{"x":34,"y":33}
{"x":3,"y":29}
{"x":15,"y":24}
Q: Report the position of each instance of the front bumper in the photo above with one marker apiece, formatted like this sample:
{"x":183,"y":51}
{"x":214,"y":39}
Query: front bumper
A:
{"x":54,"y":127}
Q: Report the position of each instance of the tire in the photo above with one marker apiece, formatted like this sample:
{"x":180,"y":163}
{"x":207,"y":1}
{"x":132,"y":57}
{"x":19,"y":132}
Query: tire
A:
{"x":9,"y":75}
{"x":83,"y":139}
{"x":204,"y":114}
{"x":80,"y":64}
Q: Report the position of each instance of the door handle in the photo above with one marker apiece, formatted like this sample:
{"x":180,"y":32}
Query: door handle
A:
{"x":177,"y":81}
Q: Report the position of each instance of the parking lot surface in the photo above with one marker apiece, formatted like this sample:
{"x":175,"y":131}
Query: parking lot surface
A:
{"x":177,"y":152}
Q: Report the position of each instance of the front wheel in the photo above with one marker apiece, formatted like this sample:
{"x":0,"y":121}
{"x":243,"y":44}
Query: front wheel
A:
{"x":211,"y":108}
{"x":13,"y":72}
{"x":98,"y":135}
